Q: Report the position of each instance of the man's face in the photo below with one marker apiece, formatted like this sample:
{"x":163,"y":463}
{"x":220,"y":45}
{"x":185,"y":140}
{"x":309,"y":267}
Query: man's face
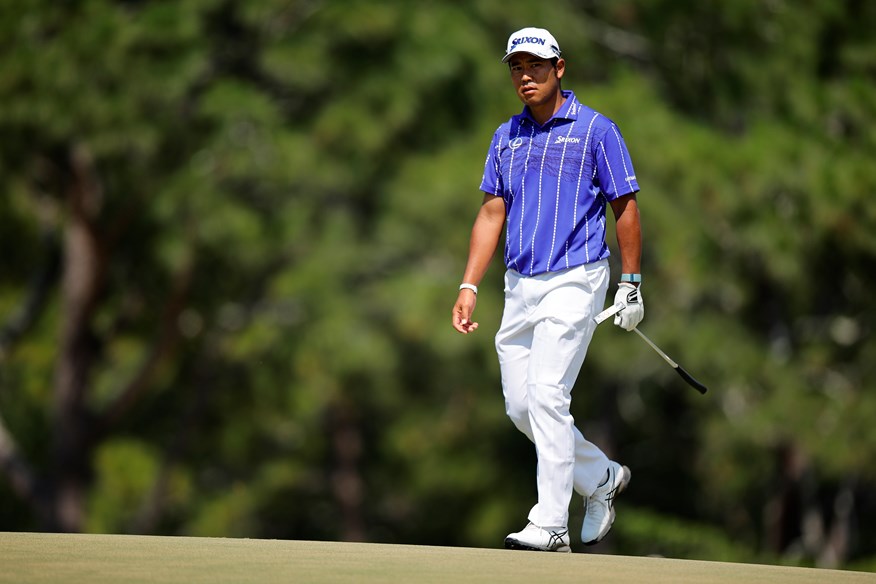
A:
{"x":536,"y":80}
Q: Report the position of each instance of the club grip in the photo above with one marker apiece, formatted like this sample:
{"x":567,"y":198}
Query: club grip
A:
{"x":691,"y":381}
{"x":608,"y":313}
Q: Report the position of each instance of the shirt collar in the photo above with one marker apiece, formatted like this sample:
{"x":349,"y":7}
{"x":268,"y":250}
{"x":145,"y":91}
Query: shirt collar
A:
{"x":569,"y":110}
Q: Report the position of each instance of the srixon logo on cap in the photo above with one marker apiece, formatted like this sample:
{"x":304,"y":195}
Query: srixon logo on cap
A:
{"x":529,"y":40}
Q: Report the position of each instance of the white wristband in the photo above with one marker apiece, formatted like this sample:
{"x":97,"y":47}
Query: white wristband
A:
{"x":466,"y":286}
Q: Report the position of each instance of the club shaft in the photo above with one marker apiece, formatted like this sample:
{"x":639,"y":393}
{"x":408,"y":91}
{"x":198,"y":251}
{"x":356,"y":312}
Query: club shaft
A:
{"x":656,"y":348}
{"x":612,"y":310}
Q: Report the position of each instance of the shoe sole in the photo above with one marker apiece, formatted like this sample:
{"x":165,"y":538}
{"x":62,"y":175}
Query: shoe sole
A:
{"x":513,"y":544}
{"x":625,"y":480}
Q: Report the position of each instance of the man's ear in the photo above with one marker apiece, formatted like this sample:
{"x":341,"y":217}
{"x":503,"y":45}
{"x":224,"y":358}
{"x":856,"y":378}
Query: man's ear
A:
{"x":561,"y":68}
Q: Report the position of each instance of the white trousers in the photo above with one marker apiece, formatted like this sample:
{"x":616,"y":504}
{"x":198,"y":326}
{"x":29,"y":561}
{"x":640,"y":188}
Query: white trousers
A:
{"x":546,"y":328}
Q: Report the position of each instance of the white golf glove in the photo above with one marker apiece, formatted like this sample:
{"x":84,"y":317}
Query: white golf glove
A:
{"x":633,"y":306}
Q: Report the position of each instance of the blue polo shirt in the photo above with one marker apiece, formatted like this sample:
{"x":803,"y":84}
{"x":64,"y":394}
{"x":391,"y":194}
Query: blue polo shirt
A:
{"x":556,"y":180}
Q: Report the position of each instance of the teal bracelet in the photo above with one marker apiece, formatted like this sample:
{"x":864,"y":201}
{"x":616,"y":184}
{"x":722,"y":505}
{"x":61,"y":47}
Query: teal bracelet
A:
{"x":634,"y":278}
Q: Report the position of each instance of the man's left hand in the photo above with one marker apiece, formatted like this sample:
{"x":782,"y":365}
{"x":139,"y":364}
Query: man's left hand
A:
{"x":634,"y":306}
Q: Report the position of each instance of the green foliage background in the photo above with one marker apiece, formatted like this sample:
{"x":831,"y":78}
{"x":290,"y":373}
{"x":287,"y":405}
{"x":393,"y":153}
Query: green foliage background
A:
{"x":282,"y":192}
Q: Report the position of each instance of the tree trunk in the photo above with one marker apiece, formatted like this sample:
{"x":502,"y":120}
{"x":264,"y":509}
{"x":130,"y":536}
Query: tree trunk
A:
{"x":346,"y":480}
{"x":82,"y":278}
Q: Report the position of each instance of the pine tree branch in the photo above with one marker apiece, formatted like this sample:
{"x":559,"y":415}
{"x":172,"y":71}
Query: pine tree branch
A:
{"x":619,"y":41}
{"x":163,"y":346}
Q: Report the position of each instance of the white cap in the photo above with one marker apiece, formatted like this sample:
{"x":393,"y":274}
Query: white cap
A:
{"x":536,"y":41}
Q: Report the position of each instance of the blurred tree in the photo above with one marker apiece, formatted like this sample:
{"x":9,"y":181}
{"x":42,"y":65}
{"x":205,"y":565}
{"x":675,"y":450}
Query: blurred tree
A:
{"x":233,"y":233}
{"x":777,"y":272}
{"x":87,"y":139}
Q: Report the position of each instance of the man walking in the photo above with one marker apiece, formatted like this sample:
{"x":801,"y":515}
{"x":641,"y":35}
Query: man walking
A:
{"x":549,"y":175}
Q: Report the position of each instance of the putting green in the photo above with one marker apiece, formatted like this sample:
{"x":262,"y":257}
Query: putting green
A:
{"x":27,"y":558}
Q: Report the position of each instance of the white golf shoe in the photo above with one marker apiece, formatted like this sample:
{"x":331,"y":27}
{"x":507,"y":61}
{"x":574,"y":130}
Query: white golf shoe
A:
{"x":599,"y":507}
{"x":537,"y":539}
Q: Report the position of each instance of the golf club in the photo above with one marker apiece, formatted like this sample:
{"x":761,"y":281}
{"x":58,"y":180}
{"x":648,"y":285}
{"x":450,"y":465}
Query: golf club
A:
{"x":614,"y":309}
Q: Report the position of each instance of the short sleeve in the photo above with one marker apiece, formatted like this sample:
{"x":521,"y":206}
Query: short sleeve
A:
{"x":491,"y":182}
{"x":614,"y":167}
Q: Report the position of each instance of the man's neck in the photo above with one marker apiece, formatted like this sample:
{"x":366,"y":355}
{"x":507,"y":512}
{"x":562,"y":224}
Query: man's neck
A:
{"x":546,"y":111}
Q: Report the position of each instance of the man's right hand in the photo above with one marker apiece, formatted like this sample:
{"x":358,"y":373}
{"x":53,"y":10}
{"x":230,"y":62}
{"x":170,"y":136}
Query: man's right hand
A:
{"x":462,"y":311}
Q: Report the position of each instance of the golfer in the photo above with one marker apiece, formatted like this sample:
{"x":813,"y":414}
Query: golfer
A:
{"x":549,"y":175}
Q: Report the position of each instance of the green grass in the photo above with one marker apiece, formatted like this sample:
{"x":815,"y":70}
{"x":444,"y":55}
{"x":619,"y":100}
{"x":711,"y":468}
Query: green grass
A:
{"x":120,"y":559}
